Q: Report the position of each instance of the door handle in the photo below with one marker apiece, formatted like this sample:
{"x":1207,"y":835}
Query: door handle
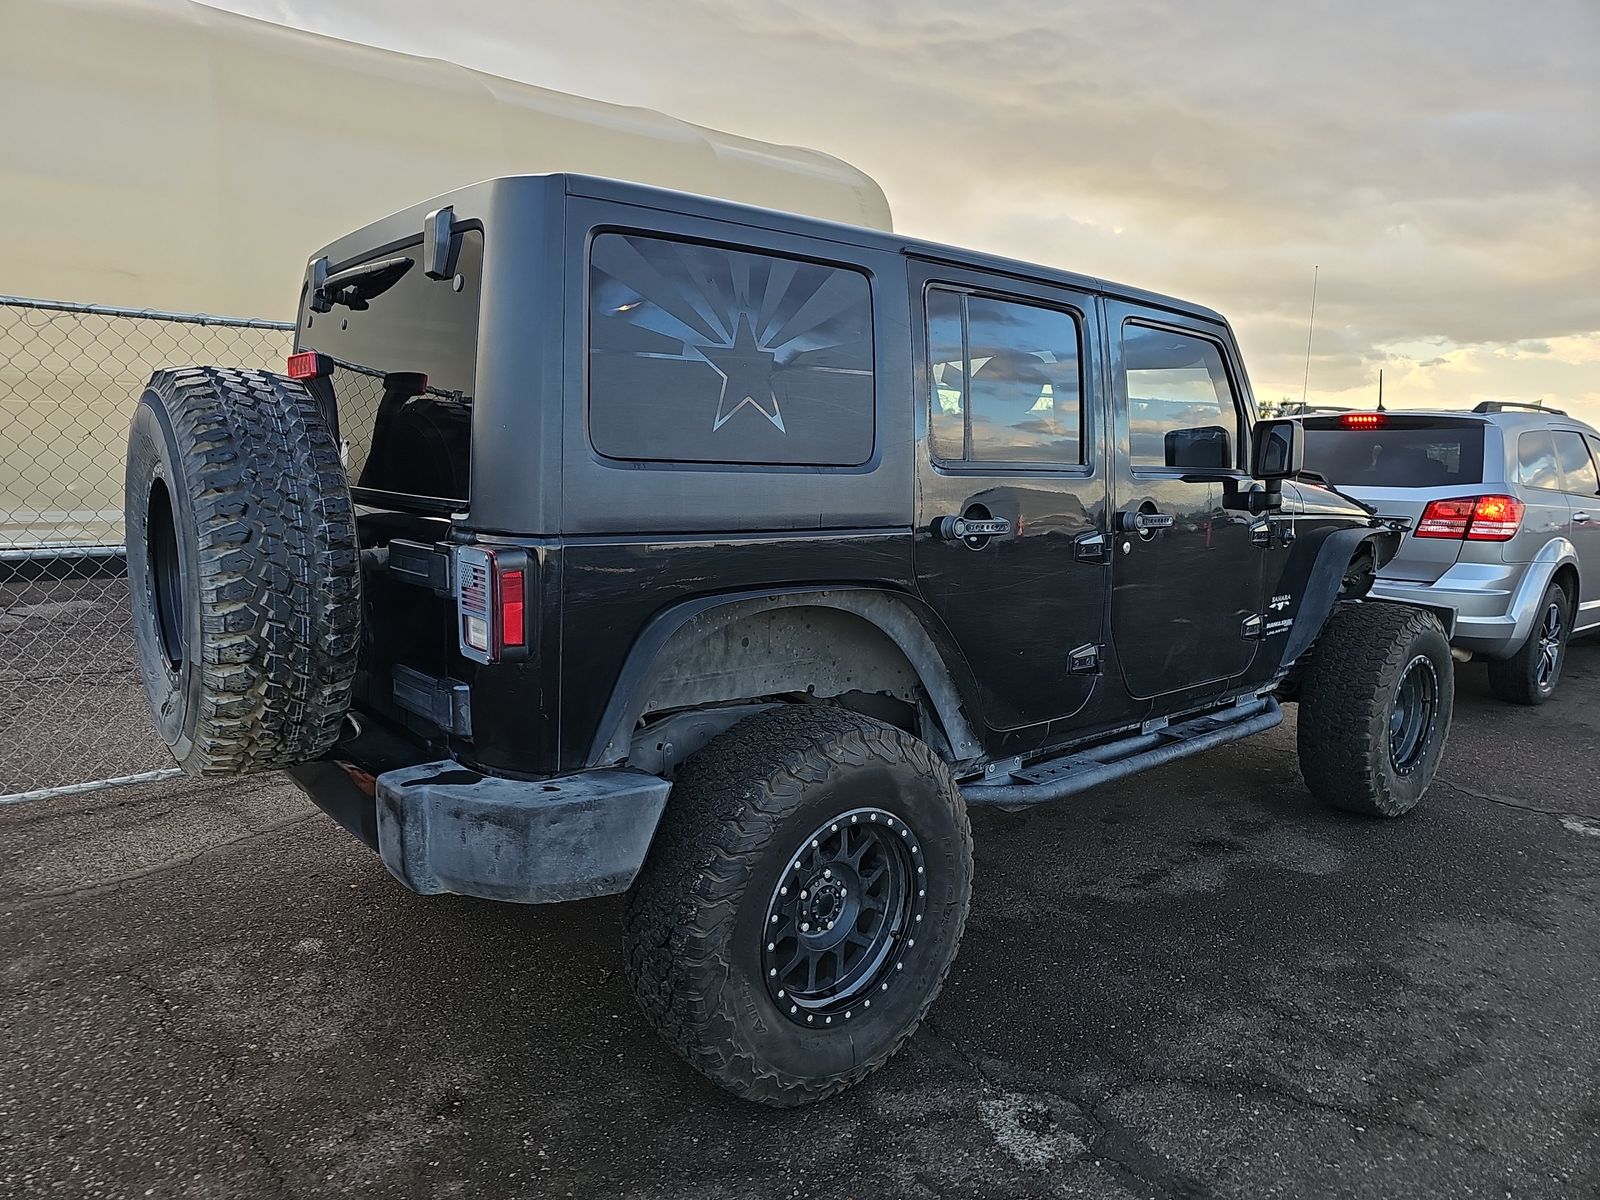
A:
{"x":1144,"y":522}
{"x":959,"y":529}
{"x":1580,"y":518}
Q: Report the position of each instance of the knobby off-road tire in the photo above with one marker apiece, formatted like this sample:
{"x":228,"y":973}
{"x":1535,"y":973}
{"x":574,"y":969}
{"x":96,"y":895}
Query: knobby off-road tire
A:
{"x":243,"y":569}
{"x":752,"y":820}
{"x":1375,"y":707}
{"x":1529,"y":676}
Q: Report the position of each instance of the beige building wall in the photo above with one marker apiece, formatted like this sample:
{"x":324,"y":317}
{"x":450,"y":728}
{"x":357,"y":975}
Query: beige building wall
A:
{"x":161,"y":154}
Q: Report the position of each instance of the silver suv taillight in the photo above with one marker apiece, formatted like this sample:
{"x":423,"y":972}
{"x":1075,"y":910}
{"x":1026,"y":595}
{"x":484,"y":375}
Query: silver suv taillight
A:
{"x":492,"y":603}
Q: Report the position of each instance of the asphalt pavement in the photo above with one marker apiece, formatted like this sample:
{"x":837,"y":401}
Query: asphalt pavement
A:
{"x":1197,"y":983}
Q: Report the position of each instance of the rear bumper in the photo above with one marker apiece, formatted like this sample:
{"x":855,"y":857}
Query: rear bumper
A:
{"x":440,"y":827}
{"x":1494,"y":603}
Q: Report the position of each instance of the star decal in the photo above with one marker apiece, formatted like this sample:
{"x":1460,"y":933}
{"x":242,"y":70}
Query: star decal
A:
{"x":746,"y":371}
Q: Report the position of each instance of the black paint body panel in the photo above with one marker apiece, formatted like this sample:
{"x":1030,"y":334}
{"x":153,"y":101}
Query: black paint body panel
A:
{"x":618,"y":541}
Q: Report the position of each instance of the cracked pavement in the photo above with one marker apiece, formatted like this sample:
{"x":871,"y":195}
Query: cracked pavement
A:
{"x":1197,"y":983}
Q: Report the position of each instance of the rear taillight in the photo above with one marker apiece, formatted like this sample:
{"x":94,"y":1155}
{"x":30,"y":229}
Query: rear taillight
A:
{"x":492,"y":603}
{"x":1474,"y":518}
{"x":1445,"y":519}
{"x":1495,"y":519}
{"x":1364,"y":420}
{"x":513,"y":608}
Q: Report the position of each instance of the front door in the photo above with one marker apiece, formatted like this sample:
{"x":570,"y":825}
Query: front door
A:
{"x":1186,"y":600}
{"x":1011,"y":486}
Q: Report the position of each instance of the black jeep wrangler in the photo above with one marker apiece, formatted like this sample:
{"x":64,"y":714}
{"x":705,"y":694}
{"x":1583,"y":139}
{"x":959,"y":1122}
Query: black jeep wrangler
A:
{"x":605,"y":539}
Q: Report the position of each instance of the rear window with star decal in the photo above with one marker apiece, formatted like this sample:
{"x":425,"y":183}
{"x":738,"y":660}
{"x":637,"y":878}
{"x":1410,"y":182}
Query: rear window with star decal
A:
{"x":707,"y":354}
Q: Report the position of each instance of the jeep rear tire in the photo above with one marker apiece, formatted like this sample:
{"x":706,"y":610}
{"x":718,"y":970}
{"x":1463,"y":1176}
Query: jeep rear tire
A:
{"x":243,"y":569}
{"x":802,"y":902}
{"x":1375,"y":707}
{"x":1529,"y":676}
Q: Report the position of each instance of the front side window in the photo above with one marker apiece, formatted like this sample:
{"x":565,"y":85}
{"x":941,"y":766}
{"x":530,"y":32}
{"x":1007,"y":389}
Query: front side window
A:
{"x":1006,"y":381}
{"x":1577,"y":468}
{"x":708,"y":354}
{"x":1536,"y":460}
{"x":1181,"y":409}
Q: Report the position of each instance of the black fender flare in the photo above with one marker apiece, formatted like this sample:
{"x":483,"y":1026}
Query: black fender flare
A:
{"x":1315,"y":573}
{"x":894,"y":614}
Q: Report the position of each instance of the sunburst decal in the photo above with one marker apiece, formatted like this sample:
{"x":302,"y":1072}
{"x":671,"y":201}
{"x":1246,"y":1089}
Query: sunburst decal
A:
{"x":705,"y":354}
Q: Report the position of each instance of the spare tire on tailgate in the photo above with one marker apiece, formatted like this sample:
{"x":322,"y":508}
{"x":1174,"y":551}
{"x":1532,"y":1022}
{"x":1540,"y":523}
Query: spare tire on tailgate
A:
{"x":243,"y":567}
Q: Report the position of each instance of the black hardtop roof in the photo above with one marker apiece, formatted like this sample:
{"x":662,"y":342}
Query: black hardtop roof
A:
{"x":691,"y":204}
{"x":396,"y":228}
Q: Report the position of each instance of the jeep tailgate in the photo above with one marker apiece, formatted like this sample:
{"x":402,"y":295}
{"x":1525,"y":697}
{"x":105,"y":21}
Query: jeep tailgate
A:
{"x":396,"y":363}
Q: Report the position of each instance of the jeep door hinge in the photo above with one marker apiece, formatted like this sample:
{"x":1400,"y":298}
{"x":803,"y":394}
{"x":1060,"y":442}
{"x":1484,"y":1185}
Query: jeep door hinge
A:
{"x":1085,"y":660}
{"x":1261,"y":533}
{"x":1252,"y":627}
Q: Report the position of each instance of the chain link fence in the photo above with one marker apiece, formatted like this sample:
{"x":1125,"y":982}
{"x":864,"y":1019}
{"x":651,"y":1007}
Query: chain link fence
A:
{"x":72,"y":709}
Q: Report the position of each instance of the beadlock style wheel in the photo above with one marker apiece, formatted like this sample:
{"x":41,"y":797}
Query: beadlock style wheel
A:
{"x":842,"y":917}
{"x":802,"y":901}
{"x":1375,"y":706}
{"x":1413,"y":714}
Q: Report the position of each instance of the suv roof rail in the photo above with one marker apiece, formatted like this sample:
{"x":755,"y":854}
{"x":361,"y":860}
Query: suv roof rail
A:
{"x":1494,"y":406}
{"x":1301,"y":410}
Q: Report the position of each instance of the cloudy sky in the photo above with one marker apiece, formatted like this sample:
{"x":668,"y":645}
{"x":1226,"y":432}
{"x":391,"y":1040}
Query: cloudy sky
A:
{"x":1439,"y":161}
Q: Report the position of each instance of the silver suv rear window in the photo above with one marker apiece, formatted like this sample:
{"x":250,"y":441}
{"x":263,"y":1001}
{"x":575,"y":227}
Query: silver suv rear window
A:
{"x":1405,"y":452}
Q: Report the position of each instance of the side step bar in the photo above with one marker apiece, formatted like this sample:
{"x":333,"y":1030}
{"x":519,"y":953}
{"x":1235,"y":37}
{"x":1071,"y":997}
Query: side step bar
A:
{"x":1055,"y":778}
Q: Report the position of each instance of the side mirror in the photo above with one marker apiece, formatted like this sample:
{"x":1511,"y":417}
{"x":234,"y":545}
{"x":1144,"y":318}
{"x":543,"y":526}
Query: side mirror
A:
{"x":1204,"y":448}
{"x":1277,"y":450}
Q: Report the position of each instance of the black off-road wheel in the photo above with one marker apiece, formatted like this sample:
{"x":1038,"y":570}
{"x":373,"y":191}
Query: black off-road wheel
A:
{"x":802,"y":902}
{"x":243,"y":569}
{"x":1529,"y":676}
{"x":1375,"y":707}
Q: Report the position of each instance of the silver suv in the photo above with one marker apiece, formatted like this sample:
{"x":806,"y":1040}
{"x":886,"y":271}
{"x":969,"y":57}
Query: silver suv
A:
{"x":1504,"y":504}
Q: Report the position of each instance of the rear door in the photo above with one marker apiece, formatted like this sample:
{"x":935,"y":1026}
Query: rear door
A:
{"x":1546,"y":513}
{"x":1011,"y":446}
{"x":1186,"y":591}
{"x":1581,"y":481}
{"x":400,"y":381}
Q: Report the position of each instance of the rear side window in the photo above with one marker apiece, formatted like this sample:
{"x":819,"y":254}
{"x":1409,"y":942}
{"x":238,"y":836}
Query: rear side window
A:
{"x":1006,"y":381}
{"x":707,"y":354}
{"x":1407,"y":452}
{"x":1577,"y":468}
{"x":1536,"y":460}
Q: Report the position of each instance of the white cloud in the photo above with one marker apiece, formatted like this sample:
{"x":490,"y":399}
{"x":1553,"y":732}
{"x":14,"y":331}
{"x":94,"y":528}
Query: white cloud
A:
{"x":1441,"y":163}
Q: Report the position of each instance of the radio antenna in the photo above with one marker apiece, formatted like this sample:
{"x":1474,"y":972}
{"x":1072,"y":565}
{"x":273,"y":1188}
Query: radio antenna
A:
{"x":1310,"y":330}
{"x":1380,"y":389}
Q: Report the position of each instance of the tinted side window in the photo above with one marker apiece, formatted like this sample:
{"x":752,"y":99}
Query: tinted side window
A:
{"x":947,"y":356}
{"x":1536,"y":460}
{"x":1006,"y":381}
{"x":706,"y":354}
{"x":1577,"y":468}
{"x":1175,"y":381}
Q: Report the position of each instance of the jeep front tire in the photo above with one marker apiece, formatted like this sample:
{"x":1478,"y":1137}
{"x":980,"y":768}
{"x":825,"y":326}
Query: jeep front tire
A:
{"x":802,"y":902}
{"x":1375,"y":707}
